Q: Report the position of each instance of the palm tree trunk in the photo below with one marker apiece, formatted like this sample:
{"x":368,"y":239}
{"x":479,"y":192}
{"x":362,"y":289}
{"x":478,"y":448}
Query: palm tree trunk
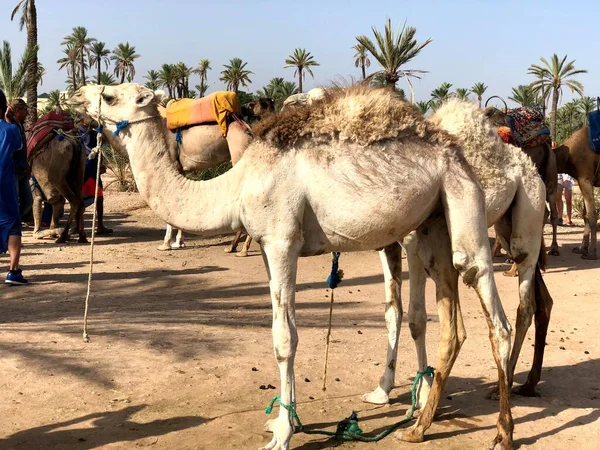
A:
{"x":480,"y":99}
{"x":99,"y":74}
{"x":364,"y":71}
{"x":82,"y":64}
{"x":32,"y":72}
{"x":554,"y":108}
{"x":300,"y":80}
{"x":123,"y":77}
{"x":74,"y":76}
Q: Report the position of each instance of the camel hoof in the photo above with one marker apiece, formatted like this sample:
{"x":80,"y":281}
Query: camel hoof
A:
{"x":525,"y":391}
{"x":61,"y":240}
{"x":413,"y":435}
{"x":501,"y":444}
{"x":82,"y":240}
{"x":509,"y":273}
{"x":241,"y":254}
{"x":578,"y":250}
{"x":163,"y":247}
{"x":589,"y":256}
{"x":377,"y":397}
{"x":229,"y":250}
{"x":177,"y":246}
{"x":554,"y":252}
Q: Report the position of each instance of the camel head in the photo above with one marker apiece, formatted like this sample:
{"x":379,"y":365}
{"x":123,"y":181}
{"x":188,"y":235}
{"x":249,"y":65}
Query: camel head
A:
{"x":113,"y":104}
{"x":495,"y":116}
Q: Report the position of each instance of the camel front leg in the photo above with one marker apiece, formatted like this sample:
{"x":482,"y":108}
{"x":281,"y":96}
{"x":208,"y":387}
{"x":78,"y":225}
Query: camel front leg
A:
{"x":452,"y":331}
{"x":245,"y":248}
{"x":283,"y":261}
{"x":391,"y":262}
{"x":166,"y":245}
{"x":588,"y":245}
{"x":234,"y":243}
{"x":179,"y":243}
{"x":38,"y":205}
{"x":464,"y":208}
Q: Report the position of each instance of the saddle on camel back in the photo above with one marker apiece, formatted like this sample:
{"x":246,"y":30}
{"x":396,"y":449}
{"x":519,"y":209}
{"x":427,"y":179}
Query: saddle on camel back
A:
{"x":525,"y":128}
{"x":215,"y":108}
{"x":45,"y":129}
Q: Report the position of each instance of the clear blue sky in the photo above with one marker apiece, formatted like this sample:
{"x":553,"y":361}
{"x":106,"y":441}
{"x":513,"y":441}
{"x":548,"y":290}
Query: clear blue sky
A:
{"x":490,"y":41}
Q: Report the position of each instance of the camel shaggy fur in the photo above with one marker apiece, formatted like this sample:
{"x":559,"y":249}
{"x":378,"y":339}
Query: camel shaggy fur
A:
{"x":515,"y":204}
{"x":295,"y":191}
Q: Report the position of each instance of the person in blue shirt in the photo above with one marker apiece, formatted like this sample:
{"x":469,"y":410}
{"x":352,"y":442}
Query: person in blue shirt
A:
{"x":10,"y":219}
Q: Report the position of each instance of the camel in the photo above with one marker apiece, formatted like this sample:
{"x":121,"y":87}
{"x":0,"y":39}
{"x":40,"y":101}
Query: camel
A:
{"x":305,"y":99}
{"x":295,"y":191}
{"x":577,"y":159}
{"x":515,"y":203}
{"x":58,"y":168}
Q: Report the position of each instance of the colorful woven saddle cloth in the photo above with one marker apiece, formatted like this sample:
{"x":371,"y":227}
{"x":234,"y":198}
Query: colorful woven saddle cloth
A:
{"x":594,"y":128}
{"x":214,"y":108}
{"x":40,"y":133}
{"x":527,"y":127}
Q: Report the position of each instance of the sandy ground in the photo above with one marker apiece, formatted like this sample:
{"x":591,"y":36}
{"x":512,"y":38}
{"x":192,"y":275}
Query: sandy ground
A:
{"x":181,"y":343}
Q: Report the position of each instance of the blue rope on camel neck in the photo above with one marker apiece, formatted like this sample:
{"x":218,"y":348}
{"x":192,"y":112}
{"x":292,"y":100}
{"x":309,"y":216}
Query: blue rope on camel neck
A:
{"x":121,"y":125}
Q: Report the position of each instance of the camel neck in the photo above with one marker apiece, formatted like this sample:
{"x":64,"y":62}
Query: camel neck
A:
{"x":204,"y":207}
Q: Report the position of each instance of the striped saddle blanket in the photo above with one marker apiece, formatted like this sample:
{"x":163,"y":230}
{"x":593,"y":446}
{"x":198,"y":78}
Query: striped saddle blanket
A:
{"x":45,"y":125}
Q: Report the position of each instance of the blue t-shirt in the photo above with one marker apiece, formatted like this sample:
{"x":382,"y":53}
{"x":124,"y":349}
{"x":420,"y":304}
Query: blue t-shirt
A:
{"x":10,"y":142}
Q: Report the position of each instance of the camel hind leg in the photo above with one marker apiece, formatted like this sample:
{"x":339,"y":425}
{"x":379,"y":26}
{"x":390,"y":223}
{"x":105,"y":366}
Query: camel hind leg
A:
{"x":588,"y":245}
{"x":244,"y":252}
{"x":75,"y":213}
{"x":166,"y":245}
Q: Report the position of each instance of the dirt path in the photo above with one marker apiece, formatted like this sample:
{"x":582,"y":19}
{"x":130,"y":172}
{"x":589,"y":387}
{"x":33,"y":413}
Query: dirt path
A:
{"x":181,"y":343}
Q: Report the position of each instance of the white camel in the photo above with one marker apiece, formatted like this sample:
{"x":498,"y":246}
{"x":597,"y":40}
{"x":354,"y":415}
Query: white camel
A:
{"x":295,"y":191}
{"x":515,"y":200}
{"x":304,"y":99}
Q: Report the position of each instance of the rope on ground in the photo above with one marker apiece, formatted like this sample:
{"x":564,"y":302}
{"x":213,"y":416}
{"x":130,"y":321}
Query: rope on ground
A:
{"x":348,"y":429}
{"x":334,"y":278}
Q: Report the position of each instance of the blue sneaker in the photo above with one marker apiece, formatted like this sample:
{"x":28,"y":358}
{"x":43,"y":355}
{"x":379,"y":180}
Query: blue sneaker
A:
{"x":15,"y":278}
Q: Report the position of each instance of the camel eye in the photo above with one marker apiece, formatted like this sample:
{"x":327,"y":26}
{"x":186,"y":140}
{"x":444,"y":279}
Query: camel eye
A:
{"x":108,"y":99}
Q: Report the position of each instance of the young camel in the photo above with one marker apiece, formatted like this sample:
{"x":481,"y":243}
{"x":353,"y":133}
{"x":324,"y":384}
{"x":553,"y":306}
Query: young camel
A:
{"x":577,"y":158}
{"x":357,"y":143}
{"x":515,"y":203}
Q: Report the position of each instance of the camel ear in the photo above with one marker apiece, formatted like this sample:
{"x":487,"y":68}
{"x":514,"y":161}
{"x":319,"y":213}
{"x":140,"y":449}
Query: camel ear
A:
{"x":144,"y":98}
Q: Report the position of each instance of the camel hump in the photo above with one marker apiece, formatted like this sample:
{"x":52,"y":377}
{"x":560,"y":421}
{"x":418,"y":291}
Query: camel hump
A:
{"x":358,"y":114}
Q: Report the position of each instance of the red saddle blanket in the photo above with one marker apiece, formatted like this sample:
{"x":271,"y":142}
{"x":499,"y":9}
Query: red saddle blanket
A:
{"x":45,"y":125}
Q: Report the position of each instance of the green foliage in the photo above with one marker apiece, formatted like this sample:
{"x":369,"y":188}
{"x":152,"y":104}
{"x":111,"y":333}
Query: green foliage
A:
{"x":479,"y":89}
{"x":14,"y":82}
{"x":236,"y":74}
{"x":153,"y":80}
{"x":302,"y":61}
{"x":124,"y":56}
{"x":212,"y":172}
{"x":440,"y":95}
{"x":118,"y":165}
{"x":245,"y":98}
{"x":424,"y":107}
{"x":524,"y":95}
{"x":361,"y":59}
{"x":462,"y":93}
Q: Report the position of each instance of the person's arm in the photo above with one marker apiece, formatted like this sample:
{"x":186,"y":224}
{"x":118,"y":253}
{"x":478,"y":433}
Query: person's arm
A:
{"x":15,"y":141}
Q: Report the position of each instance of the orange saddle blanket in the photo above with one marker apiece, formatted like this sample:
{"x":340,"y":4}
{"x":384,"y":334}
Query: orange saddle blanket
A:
{"x":214,"y":108}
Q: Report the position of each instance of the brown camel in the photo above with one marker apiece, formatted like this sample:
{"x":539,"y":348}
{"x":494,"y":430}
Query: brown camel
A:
{"x":545,"y":161}
{"x":58,"y":168}
{"x":577,"y":158}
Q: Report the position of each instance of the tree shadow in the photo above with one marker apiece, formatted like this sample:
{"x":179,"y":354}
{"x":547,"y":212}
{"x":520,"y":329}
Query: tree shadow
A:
{"x":107,"y":427}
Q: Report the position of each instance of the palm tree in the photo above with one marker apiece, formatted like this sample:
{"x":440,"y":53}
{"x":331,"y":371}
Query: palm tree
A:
{"x":201,"y":88}
{"x":167,"y":78}
{"x":361,"y":59}
{"x":55,"y":100}
{"x":80,"y":40}
{"x":440,"y":94}
{"x":394,"y":51}
{"x":586,"y":106}
{"x":69,"y":61}
{"x":106,"y":79}
{"x":182,"y":73}
{"x":124,"y":56}
{"x":479,"y":89}
{"x":99,"y":54}
{"x":28,"y":19}
{"x":551,"y":78}
{"x":462,"y":93}
{"x":302,"y":61}
{"x":202,"y":70}
{"x":424,"y":107}
{"x":14,"y":82}
{"x":524,"y":96}
{"x":235,"y":74}
{"x":153,"y":78}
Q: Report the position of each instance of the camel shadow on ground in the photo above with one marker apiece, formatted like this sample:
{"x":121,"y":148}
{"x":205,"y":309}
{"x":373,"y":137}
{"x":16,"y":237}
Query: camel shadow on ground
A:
{"x":466,"y":398}
{"x":106,"y":428}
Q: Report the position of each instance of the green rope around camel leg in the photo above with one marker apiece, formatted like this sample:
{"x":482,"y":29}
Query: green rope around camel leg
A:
{"x":348,"y":429}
